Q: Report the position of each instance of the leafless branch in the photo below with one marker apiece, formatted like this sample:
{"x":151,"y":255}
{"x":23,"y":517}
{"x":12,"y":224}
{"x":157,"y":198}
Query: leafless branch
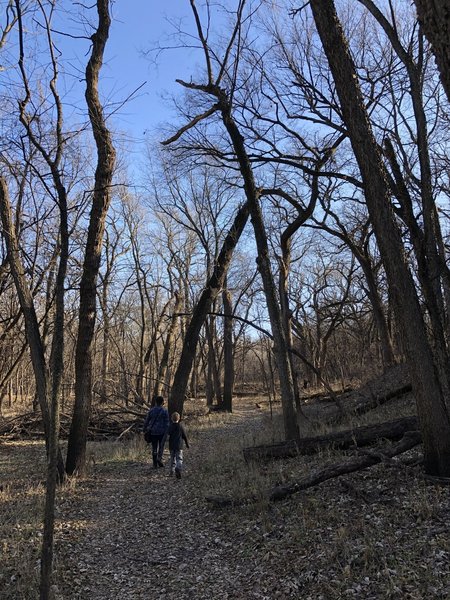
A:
{"x":191,"y":124}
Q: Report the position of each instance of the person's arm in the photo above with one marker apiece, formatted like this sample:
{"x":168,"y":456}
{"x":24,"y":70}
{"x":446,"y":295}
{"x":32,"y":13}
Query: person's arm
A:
{"x":147,"y":419}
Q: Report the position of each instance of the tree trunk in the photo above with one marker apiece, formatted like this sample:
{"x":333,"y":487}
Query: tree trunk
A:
{"x":106,"y":155}
{"x":212,"y":359}
{"x":387,"y":350}
{"x":280,"y":350}
{"x":434,"y":16}
{"x":228,"y":356}
{"x":27,"y":307}
{"x":201,"y":309}
{"x":106,"y":337}
{"x":432,"y":403}
{"x":168,"y":346}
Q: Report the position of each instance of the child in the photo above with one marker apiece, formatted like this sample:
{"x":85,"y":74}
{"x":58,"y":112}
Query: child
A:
{"x":176,"y":436}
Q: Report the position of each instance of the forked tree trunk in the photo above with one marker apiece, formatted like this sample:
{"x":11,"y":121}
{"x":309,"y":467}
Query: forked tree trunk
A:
{"x":432,"y":403}
{"x":106,"y":157}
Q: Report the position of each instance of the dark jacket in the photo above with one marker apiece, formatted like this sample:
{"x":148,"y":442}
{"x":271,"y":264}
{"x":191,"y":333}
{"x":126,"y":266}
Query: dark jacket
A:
{"x":157,"y":421}
{"x":176,"y":437}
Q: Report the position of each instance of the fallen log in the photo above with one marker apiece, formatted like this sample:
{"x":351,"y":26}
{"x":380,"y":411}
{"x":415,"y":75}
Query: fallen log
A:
{"x":362,"y":436}
{"x":357,"y":463}
{"x":287,"y":449}
{"x":376,"y":401}
{"x":409,"y":440}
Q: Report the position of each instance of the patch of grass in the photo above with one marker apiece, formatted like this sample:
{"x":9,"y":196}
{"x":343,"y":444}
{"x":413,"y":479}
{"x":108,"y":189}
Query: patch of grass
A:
{"x":121,"y":451}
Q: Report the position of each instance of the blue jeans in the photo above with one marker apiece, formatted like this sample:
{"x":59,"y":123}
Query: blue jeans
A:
{"x":176,"y":460}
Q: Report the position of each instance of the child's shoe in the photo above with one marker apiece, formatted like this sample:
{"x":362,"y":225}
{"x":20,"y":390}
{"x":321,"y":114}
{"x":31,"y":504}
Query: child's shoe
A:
{"x":178,"y":473}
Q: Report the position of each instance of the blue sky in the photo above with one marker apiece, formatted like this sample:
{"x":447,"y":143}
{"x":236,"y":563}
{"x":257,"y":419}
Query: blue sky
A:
{"x":138,"y":26}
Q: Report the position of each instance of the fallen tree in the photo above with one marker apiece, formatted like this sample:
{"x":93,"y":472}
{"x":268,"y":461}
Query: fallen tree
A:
{"x":286,"y":449}
{"x":391,"y":385}
{"x":362,"y":436}
{"x":368,"y":459}
{"x":362,"y":461}
{"x":103,"y":424}
{"x":376,"y":400}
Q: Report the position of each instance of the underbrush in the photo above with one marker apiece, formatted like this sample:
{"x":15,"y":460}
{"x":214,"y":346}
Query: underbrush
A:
{"x":381,"y":533}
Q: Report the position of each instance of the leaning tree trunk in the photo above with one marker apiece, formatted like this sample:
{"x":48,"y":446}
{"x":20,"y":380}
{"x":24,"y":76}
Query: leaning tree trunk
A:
{"x":106,"y":157}
{"x":432,"y":403}
{"x":434,"y":16}
{"x":281,"y":349}
{"x":201,"y":309}
{"x":27,"y":307}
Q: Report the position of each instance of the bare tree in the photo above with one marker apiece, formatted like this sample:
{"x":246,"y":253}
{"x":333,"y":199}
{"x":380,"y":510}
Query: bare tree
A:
{"x":429,"y":379}
{"x":222,"y":98}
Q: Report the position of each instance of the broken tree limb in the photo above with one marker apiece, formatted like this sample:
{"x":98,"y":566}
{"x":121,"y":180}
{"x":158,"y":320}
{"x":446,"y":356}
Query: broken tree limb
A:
{"x":377,"y":401}
{"x":362,"y":436}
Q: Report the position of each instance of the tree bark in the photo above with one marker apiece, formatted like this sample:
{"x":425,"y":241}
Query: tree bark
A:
{"x":106,"y":156}
{"x":432,"y":403}
{"x":434,"y":16}
{"x":228,"y":357}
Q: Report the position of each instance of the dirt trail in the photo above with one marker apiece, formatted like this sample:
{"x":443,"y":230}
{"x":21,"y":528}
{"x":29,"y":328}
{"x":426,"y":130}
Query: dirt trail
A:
{"x":133,"y":532}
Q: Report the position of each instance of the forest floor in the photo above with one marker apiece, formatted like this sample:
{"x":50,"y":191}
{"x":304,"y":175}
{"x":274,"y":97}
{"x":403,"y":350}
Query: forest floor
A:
{"x":128,"y":532}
